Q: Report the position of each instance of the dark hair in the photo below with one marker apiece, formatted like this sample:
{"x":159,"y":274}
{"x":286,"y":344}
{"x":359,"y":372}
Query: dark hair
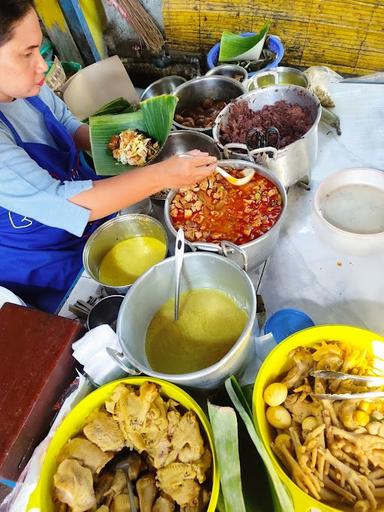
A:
{"x":12,"y":11}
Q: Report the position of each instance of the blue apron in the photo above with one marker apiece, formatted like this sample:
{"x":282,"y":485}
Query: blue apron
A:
{"x":37,"y":262}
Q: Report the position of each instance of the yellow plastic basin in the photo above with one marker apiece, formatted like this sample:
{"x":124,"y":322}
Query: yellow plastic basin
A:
{"x":41,"y":499}
{"x":276,"y":364}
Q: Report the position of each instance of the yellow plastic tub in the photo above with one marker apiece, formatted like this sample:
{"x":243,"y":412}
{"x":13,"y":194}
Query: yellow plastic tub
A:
{"x":276,"y":364}
{"x":41,"y":499}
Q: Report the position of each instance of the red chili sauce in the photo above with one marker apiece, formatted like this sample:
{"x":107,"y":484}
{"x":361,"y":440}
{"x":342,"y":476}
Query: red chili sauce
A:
{"x":216,"y":210}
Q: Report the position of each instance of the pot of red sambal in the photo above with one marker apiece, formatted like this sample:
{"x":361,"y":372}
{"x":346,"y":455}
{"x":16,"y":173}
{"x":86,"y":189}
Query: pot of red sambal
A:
{"x":240,"y":222}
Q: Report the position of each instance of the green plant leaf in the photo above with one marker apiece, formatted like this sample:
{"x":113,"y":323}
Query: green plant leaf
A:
{"x":117,"y":106}
{"x":280,"y":495}
{"x":225,"y":434}
{"x":234,"y":47}
{"x":154,"y":118}
{"x":158,"y":115}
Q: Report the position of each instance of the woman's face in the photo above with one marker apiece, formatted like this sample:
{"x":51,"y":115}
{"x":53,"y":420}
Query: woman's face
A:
{"x":21,"y":66}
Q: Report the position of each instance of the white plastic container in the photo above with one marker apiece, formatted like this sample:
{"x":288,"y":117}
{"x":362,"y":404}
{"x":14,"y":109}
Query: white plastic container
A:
{"x":8,"y":296}
{"x":348,"y":211}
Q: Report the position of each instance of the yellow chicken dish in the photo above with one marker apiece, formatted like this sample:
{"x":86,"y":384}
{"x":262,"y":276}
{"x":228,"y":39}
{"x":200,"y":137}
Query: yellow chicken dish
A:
{"x":332,"y":449}
{"x":138,"y":449}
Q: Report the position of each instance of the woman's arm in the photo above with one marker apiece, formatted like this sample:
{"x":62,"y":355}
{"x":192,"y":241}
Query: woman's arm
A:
{"x":81,"y":138}
{"x":112,"y":194}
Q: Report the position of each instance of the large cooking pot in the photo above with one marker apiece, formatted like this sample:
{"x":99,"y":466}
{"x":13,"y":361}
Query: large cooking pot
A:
{"x":155,"y":287}
{"x":194,"y":91}
{"x":249,"y":255}
{"x":292,"y":163}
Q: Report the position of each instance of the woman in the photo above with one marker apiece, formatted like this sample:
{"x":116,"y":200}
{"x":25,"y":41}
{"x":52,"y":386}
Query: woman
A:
{"x":49,"y":202}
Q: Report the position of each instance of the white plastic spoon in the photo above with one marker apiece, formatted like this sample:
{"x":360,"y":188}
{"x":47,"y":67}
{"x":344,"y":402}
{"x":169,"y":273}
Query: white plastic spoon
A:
{"x":247,"y":172}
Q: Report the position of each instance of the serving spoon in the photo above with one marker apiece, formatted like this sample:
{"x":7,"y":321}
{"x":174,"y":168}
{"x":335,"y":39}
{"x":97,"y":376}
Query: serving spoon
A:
{"x":247,"y":172}
{"x":238,"y":182}
{"x":179,"y":257}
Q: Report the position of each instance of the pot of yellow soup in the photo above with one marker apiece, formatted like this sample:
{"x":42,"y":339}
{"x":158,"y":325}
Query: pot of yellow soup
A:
{"x":211,"y":338}
{"x":122,"y":249}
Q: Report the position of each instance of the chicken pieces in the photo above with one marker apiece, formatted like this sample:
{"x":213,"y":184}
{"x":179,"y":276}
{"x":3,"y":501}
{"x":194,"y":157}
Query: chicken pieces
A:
{"x":88,"y":454}
{"x":102,"y":430}
{"x":333,"y":450}
{"x":165,"y":460}
{"x":74,"y":485}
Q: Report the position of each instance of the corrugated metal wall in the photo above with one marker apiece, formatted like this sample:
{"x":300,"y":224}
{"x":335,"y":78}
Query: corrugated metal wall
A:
{"x":347,"y":35}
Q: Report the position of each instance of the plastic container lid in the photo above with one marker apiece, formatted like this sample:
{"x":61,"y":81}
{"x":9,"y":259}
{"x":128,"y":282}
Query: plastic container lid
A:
{"x":285,"y":322}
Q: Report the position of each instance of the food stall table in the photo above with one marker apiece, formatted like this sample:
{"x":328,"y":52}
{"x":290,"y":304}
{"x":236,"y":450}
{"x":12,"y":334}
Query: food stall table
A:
{"x":304,"y":272}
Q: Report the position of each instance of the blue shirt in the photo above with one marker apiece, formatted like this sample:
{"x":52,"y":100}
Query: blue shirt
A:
{"x":25,"y":187}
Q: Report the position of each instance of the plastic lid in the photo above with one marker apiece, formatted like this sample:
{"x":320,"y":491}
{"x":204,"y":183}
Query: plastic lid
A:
{"x":285,"y":322}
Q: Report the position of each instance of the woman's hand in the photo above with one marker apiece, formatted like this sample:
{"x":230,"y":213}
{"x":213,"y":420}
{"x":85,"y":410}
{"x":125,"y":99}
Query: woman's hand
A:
{"x":185,"y":170}
{"x":117,"y":192}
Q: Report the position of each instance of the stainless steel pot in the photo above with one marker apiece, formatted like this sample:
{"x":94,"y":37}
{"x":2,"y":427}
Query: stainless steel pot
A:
{"x":113,"y":231}
{"x":292,"y":163}
{"x":280,"y":75}
{"x":194,"y":91}
{"x":165,"y":85}
{"x":231,"y":70}
{"x":250,"y":255}
{"x":155,"y":287}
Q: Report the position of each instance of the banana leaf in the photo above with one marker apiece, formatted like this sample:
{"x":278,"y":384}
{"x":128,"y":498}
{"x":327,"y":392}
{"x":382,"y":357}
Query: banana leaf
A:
{"x":117,"y":106}
{"x":234,"y":47}
{"x":225,"y":434}
{"x":282,"y":500}
{"x":154,"y":118}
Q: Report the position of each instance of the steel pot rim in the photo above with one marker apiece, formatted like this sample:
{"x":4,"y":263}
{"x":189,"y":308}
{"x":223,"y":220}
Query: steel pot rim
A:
{"x":280,"y":152}
{"x":163,"y":79}
{"x":189,"y":378}
{"x":240,"y":163}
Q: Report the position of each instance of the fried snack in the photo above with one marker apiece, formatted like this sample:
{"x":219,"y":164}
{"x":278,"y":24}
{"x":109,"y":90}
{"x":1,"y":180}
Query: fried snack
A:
{"x":136,"y":442}
{"x":333,"y":450}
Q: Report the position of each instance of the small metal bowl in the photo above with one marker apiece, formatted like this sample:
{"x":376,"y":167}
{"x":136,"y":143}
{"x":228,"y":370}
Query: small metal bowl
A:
{"x":122,"y":227}
{"x":232,"y":70}
{"x":197,"y":90}
{"x":277,"y":76}
{"x":144,"y":206}
{"x":105,"y":311}
{"x":179,"y":143}
{"x":165,"y":85}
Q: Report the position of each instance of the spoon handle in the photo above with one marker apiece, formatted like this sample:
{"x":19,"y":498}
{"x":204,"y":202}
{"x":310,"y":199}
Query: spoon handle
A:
{"x":179,"y":254}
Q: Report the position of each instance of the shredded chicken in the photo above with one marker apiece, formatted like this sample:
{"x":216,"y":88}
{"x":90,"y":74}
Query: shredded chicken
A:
{"x":133,"y":148}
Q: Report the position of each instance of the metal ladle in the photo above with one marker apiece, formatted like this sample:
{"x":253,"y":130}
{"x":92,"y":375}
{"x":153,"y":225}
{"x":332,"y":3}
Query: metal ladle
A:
{"x":179,"y":256}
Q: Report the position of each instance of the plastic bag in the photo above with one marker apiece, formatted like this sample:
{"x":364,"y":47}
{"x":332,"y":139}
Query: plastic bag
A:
{"x":319,"y":78}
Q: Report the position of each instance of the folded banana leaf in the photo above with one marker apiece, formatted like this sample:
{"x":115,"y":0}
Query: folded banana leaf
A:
{"x":117,"y":106}
{"x":154,"y":117}
{"x":236,"y":47}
